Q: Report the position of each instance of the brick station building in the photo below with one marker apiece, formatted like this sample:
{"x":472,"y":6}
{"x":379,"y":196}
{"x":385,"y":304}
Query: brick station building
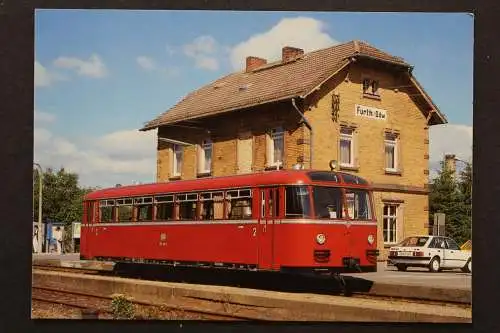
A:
{"x":352,"y":103}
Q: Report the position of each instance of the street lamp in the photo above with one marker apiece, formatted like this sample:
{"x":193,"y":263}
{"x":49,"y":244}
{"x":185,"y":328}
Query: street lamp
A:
{"x":40,"y":182}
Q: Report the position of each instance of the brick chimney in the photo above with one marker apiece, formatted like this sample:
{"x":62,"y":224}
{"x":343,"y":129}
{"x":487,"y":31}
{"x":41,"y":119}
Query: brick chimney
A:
{"x":254,"y":62}
{"x":450,"y":163}
{"x":288,"y":53}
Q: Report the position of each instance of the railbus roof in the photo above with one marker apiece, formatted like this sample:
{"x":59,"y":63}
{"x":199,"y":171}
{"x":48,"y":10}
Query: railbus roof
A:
{"x":267,"y":178}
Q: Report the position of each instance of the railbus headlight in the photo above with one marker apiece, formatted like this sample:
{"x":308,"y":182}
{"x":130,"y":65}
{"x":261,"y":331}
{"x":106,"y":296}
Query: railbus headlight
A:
{"x":320,"y":239}
{"x":371,"y":239}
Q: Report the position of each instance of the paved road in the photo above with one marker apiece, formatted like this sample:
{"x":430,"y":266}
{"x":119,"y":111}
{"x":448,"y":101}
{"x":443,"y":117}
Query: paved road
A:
{"x":420,"y":276}
{"x":386,"y":274}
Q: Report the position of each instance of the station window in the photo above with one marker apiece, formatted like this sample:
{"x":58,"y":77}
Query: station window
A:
{"x":390,"y":223}
{"x":391,"y":152}
{"x":297,"y":203}
{"x":370,"y":87}
{"x":239,"y":204}
{"x":177,"y":160}
{"x":346,"y":146}
{"x":276,"y":147}
{"x":205,"y":157}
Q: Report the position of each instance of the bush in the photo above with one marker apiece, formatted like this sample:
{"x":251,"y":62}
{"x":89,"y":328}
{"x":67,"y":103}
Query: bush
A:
{"x":122,"y":307}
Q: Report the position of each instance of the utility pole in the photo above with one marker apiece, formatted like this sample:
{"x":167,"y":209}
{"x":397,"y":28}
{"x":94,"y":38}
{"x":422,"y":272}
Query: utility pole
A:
{"x":40,"y":182}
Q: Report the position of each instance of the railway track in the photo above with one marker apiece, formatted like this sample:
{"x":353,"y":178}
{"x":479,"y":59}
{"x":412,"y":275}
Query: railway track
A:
{"x":101,"y":304}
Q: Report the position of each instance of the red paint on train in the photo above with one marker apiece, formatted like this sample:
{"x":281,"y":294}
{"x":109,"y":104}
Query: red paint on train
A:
{"x":322,"y":221}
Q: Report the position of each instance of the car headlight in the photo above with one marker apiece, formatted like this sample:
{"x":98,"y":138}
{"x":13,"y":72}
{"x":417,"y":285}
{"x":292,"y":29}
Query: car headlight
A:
{"x":371,"y":239}
{"x":320,"y":239}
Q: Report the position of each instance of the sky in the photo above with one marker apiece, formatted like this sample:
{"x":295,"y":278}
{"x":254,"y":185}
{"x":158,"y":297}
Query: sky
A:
{"x":101,"y":74}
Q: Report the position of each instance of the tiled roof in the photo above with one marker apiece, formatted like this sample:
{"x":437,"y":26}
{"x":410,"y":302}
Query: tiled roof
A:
{"x":267,"y":83}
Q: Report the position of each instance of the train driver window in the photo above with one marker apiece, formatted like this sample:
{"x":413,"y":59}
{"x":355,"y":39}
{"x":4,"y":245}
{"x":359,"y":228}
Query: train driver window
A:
{"x":327,"y":202}
{"x":297,"y":202}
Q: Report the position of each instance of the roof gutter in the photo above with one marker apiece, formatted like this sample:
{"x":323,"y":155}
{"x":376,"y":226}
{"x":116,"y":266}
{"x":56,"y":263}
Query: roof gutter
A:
{"x":308,"y":125}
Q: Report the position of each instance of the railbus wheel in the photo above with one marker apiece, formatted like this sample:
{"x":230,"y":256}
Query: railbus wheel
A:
{"x":434,"y":265}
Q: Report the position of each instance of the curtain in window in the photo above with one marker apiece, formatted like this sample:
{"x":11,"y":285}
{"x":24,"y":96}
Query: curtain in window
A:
{"x":389,"y":155}
{"x":345,"y":151}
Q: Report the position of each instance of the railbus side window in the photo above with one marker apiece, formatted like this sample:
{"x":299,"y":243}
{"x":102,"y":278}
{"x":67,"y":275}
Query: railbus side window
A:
{"x":187,"y":205}
{"x":297,"y":204}
{"x":239,"y":204}
{"x":164,"y":207}
{"x":328,"y":202}
{"x":107,"y":211}
{"x":143,"y":209}
{"x":211,"y":206}
{"x":125,"y":210}
{"x":358,"y":204}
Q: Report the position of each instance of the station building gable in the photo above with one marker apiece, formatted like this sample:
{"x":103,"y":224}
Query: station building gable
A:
{"x":365,"y":109}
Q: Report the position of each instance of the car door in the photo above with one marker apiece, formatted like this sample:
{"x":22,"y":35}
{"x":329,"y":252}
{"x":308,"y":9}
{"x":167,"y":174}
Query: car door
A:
{"x":435,"y":249}
{"x":454,"y":255}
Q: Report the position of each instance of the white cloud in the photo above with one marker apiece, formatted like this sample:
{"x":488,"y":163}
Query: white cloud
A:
{"x":44,"y":117}
{"x":146,"y":63}
{"x":302,"y":32}
{"x":94,"y":67}
{"x":203,"y":50}
{"x":118,"y":157}
{"x":449,"y":139}
{"x":44,"y":77}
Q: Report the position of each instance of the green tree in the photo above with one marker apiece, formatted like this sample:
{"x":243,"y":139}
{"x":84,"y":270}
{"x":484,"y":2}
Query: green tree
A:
{"x":449,"y":196}
{"x":465,"y":188}
{"x":62,"y":197}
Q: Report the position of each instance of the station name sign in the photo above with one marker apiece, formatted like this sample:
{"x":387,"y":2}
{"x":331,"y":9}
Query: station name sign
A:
{"x":369,"y":112}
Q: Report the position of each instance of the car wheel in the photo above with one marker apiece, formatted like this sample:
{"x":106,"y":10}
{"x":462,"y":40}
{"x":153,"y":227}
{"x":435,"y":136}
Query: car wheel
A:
{"x":434,"y":265}
{"x":468,"y":267}
{"x":401,"y":267}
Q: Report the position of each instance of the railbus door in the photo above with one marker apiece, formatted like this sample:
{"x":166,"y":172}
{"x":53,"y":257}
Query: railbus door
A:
{"x":269,"y":210}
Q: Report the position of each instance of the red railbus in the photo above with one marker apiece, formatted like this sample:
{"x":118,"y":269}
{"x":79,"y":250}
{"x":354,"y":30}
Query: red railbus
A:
{"x":289,"y":220}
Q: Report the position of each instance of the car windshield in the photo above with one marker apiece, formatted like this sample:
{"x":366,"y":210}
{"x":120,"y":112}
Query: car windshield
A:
{"x":414,"y":241}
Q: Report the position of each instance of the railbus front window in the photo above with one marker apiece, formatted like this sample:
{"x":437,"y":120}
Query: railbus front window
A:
{"x":358,"y":204}
{"x":297,"y":202}
{"x":328,"y":202}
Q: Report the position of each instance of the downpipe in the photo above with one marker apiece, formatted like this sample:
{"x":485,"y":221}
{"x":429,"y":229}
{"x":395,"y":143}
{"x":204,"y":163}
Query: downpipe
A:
{"x":308,"y":125}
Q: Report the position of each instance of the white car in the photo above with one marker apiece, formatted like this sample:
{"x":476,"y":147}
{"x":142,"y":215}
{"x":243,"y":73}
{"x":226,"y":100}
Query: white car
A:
{"x":434,"y":252}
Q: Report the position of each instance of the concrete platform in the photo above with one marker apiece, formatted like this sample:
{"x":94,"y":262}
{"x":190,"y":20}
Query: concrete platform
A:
{"x":310,"y":306}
